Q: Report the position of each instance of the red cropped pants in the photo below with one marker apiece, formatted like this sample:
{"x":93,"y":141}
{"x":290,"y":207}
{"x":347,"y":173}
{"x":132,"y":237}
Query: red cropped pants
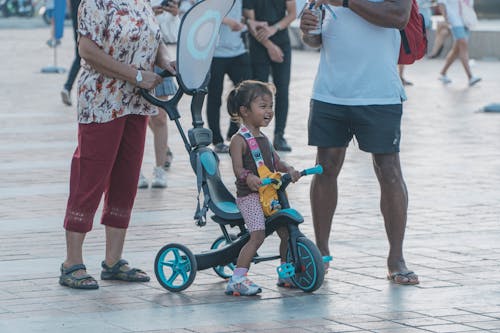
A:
{"x":107,"y":161}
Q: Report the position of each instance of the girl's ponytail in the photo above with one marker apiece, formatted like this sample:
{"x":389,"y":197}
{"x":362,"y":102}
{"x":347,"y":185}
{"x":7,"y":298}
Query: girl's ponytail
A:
{"x":233,"y":105}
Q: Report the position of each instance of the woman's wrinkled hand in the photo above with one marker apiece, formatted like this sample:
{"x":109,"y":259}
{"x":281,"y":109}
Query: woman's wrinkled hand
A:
{"x":149,"y":80}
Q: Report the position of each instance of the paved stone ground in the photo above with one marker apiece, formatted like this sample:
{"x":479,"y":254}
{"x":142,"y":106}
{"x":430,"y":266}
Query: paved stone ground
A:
{"x":451,"y":159}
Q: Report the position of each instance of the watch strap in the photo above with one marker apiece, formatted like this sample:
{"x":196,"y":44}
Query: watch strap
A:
{"x":138,"y":77}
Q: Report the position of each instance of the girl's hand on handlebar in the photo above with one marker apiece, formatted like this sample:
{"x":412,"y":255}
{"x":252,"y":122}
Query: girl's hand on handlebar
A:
{"x":294,"y":174}
{"x":253,"y":182}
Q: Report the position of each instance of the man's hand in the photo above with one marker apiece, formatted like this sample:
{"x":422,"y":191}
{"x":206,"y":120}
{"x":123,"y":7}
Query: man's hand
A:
{"x":308,"y":21}
{"x":274,"y":52}
{"x":265,"y":32}
{"x":253,"y":26}
{"x":233,"y":24}
{"x":336,"y":3}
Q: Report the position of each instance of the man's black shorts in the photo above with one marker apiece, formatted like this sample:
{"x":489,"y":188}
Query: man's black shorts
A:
{"x":377,"y":128}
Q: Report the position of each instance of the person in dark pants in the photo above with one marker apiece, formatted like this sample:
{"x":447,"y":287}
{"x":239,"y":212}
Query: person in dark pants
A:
{"x":271,"y":53}
{"x":231,"y":58}
{"x":75,"y":67}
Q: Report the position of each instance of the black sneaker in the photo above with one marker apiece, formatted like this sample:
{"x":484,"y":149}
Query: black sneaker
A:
{"x":280,"y":144}
{"x":221,"y":148}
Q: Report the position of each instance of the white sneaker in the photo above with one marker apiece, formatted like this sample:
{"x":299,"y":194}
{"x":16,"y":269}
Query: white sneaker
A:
{"x":66,"y":97}
{"x":241,"y":285}
{"x":159,"y":178}
{"x":445,"y":79}
{"x":143,"y":182}
{"x":473,"y":80}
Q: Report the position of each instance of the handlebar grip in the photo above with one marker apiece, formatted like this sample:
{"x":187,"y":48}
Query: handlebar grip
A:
{"x":165,"y":73}
{"x":316,"y":170}
{"x":266,"y":181}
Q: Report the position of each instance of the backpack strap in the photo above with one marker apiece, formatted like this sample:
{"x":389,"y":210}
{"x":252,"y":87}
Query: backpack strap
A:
{"x":404,"y":41}
{"x":253,"y":145}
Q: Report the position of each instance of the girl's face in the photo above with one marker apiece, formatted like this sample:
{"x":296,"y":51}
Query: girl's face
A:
{"x":261,"y":111}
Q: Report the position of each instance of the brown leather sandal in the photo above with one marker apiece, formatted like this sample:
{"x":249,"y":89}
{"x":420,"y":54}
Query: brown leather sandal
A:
{"x":117,"y":273}
{"x":69,"y":279}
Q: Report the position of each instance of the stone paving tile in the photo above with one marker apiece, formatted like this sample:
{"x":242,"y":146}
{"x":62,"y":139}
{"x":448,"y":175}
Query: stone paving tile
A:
{"x":176,"y":330}
{"x":264,"y":325}
{"x":469,"y":318}
{"x":422,"y":321}
{"x":402,"y":329}
{"x":486,"y":325}
{"x":283,"y":330}
{"x":334,"y":327}
{"x":448,"y":328}
{"x":395,"y":316}
{"x":217,"y":329}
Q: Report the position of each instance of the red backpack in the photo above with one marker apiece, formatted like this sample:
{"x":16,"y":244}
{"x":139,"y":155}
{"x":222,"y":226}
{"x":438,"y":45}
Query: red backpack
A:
{"x":413,"y":38}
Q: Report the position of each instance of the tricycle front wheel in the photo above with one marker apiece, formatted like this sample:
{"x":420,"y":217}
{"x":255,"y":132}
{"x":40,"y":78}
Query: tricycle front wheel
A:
{"x":311,"y":273}
{"x":175,"y":267}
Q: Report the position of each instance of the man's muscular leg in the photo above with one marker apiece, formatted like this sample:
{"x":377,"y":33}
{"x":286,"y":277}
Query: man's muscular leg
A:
{"x":323,"y":194}
{"x":394,"y":206}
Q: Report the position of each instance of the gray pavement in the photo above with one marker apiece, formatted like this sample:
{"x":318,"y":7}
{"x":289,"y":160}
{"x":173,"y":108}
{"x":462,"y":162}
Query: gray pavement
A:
{"x":451,"y":161}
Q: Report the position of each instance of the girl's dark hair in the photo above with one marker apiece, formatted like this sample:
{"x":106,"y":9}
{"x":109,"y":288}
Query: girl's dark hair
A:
{"x":244,"y":93}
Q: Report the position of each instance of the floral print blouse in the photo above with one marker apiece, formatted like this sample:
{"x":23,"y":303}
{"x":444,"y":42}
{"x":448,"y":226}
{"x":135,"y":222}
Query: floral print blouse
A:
{"x":128,"y":31}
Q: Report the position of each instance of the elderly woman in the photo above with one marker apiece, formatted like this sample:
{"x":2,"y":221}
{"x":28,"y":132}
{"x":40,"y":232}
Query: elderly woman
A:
{"x":119,"y":41}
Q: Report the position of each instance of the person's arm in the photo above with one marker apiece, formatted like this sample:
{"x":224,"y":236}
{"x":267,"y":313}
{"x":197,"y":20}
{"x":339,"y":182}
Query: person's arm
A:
{"x":107,"y":65}
{"x":233,"y":24}
{"x":253,"y":25}
{"x":267,"y":31}
{"x":387,"y":14}
{"x":282,"y":166}
{"x":273,"y":50}
{"x":163,"y":59}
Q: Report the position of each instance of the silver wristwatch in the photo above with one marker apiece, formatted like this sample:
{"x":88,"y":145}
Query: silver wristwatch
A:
{"x":138,"y":77}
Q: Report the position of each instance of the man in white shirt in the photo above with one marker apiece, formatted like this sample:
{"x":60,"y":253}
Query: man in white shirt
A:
{"x":358,"y":92}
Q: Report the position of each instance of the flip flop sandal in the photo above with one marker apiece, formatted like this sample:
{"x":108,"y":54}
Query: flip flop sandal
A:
{"x":394,"y":278}
{"x":69,"y":279}
{"x":116,"y":273}
{"x":326,"y":263}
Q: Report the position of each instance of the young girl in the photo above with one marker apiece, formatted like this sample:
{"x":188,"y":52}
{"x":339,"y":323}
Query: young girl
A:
{"x":251,"y":104}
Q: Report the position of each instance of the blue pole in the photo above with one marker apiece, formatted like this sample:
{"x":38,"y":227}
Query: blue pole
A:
{"x":59,"y":15}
